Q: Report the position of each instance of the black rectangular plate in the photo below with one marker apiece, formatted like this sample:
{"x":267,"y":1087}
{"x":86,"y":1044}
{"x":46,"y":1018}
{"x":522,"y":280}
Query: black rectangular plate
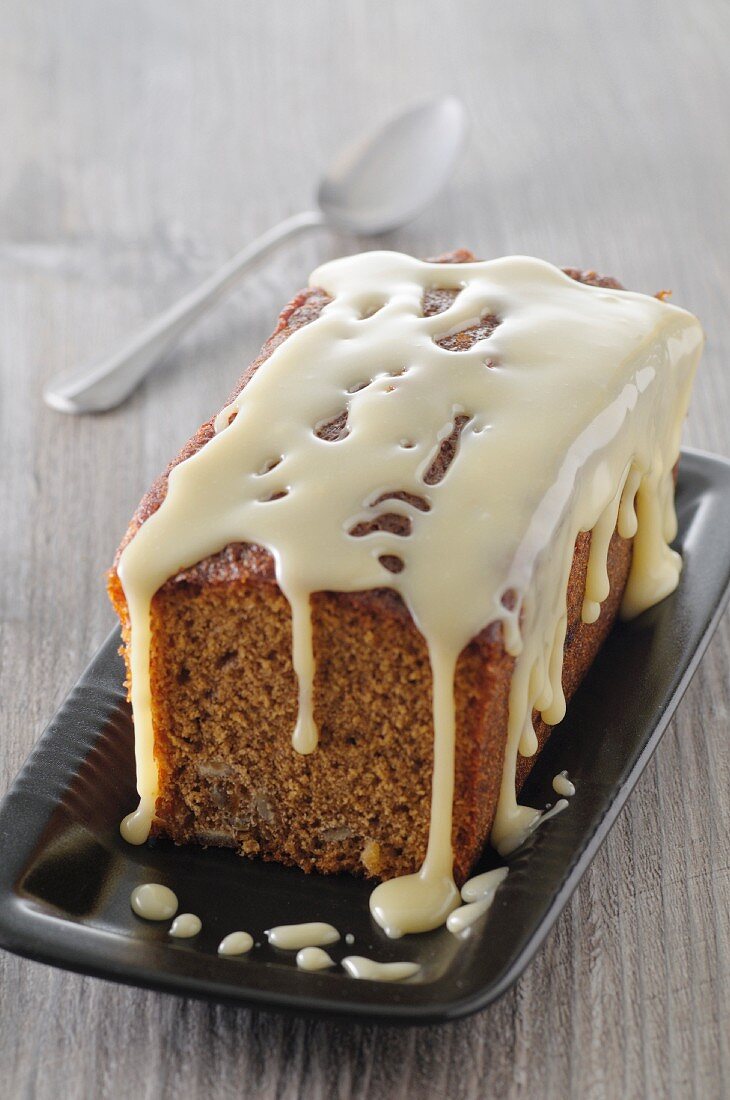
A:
{"x":66,"y":875}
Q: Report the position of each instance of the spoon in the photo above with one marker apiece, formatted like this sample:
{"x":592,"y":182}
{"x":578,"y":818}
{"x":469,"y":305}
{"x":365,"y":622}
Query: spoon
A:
{"x":376,"y":184}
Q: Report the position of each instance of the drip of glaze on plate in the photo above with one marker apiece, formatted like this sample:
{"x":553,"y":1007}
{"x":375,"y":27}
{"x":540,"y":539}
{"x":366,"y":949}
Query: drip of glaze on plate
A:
{"x":357,"y":966}
{"x":292,"y":937}
{"x":477,"y":894}
{"x":314,"y":958}
{"x":154,"y":901}
{"x":235,"y":943}
{"x":573,"y":405}
{"x":185,"y":926}
{"x":517,"y":837}
{"x":563,"y":786}
{"x":135,"y":827}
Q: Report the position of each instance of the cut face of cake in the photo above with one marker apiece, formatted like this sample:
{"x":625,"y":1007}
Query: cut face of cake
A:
{"x":359,"y":598}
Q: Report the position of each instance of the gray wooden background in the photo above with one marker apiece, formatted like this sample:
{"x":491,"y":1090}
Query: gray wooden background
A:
{"x":141,"y":142}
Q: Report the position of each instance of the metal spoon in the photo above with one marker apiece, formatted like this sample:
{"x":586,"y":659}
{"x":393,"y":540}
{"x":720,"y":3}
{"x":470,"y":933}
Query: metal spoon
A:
{"x":376,"y":184}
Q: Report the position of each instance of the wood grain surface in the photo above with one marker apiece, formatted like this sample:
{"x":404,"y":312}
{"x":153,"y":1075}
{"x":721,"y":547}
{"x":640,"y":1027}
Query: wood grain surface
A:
{"x":142,"y":142}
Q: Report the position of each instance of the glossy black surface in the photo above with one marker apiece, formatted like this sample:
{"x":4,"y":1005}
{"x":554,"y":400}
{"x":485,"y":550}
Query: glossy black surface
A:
{"x":66,"y":875}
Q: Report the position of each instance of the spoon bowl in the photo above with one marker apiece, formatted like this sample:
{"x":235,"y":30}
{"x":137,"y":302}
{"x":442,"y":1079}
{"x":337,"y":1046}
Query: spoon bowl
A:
{"x":386,"y":178}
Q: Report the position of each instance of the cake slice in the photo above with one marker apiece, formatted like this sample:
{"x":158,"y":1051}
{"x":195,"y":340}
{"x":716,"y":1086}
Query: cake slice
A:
{"x":357,"y":600}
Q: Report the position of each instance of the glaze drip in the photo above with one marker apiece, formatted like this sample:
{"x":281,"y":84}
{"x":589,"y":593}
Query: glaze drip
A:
{"x":357,"y":966}
{"x":293,"y":937}
{"x":563,"y":786}
{"x":152,"y":901}
{"x":236,"y":943}
{"x":477,"y":894}
{"x":185,"y":926}
{"x":314,"y":958}
{"x":564,"y":416}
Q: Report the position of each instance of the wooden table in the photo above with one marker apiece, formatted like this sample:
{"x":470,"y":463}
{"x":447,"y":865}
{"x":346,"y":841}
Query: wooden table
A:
{"x":141,"y":144}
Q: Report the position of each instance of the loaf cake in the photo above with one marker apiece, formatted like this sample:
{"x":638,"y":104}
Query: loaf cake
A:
{"x":356,"y":602}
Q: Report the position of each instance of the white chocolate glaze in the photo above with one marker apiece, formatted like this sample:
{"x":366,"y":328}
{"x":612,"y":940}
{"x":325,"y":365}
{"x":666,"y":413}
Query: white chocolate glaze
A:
{"x":483,"y":885}
{"x":294,"y":936}
{"x":575,"y":404}
{"x":563,"y":786}
{"x":478,"y":894}
{"x":460,"y":920}
{"x":314,"y":958}
{"x":517,"y":837}
{"x":357,"y":966}
{"x":135,"y":827}
{"x":153,"y":901}
{"x":185,"y":926}
{"x":235,"y":943}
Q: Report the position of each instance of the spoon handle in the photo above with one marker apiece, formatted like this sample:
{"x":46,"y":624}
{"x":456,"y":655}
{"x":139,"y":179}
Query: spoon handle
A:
{"x":106,"y":383}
